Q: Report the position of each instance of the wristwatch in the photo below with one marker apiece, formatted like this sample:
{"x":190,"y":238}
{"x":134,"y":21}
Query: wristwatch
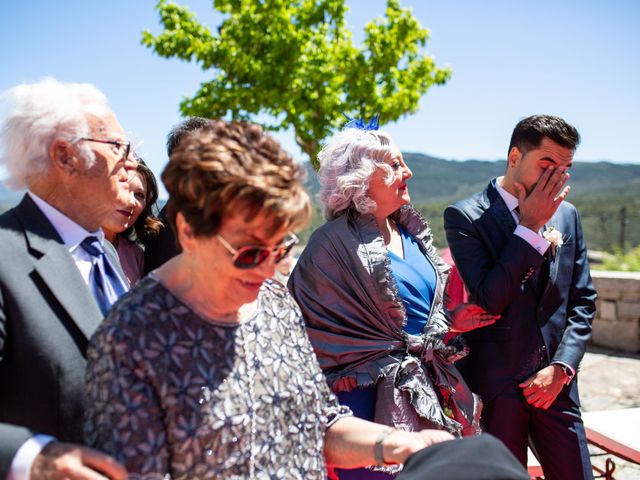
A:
{"x":568,"y":372}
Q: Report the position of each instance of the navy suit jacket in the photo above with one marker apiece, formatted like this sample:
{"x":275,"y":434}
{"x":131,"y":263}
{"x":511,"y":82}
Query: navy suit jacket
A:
{"x":47,"y":315}
{"x":499,"y":270}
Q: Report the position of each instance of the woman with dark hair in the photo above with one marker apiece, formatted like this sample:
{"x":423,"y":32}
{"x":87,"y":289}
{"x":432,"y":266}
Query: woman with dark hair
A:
{"x":129,"y":228}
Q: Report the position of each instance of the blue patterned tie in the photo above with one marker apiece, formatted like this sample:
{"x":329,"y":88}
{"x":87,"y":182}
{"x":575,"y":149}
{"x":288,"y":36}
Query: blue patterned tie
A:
{"x":106,"y":284}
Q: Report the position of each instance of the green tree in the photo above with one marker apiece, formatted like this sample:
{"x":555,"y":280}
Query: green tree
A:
{"x":294,"y":62}
{"x":623,"y":261}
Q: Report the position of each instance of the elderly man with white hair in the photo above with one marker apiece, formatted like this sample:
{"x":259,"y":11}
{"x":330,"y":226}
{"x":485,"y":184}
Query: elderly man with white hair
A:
{"x":58,"y":277}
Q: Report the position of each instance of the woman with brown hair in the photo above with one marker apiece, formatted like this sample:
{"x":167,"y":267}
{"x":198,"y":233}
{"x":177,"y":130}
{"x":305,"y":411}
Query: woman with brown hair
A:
{"x":204,"y":369}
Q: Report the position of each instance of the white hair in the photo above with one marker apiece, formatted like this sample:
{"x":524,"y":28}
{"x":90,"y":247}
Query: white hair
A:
{"x":347,"y":162}
{"x":37,"y":114}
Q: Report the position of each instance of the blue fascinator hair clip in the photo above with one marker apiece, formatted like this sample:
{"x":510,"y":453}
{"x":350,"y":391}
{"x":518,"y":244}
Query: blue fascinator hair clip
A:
{"x":372,"y":124}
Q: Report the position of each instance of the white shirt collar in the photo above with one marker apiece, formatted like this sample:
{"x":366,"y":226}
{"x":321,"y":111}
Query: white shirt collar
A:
{"x":509,"y":199}
{"x":70,"y":232}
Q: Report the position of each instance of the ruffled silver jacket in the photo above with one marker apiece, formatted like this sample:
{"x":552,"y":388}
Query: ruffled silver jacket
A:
{"x":355,"y":318}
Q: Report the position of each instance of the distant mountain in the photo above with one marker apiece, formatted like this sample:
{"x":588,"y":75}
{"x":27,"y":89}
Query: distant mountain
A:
{"x":441,"y":181}
{"x":606,"y":195}
{"x":436,"y":180}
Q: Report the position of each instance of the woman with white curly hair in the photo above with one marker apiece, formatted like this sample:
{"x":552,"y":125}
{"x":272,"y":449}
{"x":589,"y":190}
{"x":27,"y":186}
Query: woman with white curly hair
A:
{"x":371,"y":288}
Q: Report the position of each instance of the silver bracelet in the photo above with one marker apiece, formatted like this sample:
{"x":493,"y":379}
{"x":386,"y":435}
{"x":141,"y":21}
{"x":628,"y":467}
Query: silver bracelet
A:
{"x":378,"y":454}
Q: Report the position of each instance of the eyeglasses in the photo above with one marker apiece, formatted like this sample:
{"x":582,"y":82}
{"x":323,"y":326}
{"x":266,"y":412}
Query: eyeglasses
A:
{"x":249,"y":256}
{"x":119,"y":145}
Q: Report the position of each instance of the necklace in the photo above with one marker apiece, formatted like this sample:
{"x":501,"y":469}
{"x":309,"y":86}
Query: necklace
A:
{"x":250,"y":390}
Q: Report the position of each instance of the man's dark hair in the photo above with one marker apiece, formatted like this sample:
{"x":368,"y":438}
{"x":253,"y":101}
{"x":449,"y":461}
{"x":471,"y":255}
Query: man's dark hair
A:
{"x":184,"y":127}
{"x":530,"y":131}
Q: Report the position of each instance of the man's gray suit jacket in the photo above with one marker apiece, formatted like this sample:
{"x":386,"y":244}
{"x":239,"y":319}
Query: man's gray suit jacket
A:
{"x":47,"y":315}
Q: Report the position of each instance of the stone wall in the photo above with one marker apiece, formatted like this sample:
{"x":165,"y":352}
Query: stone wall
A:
{"x":617,"y":322}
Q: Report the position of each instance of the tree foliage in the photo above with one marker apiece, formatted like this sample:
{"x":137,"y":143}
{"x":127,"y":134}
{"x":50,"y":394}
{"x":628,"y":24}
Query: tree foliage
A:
{"x":294,"y":62}
{"x":624,"y":261}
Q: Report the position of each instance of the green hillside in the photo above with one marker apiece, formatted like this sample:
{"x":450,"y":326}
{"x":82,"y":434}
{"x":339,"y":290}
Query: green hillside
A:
{"x":606,"y":194}
{"x":598,"y":189}
{"x":437,"y":180}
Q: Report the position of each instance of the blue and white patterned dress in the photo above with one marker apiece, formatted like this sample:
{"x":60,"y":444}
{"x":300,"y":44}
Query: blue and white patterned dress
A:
{"x":171,"y":394}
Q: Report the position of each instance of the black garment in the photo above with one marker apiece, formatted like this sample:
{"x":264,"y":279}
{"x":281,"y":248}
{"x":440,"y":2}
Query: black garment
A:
{"x":472,"y":458}
{"x":163,"y":247}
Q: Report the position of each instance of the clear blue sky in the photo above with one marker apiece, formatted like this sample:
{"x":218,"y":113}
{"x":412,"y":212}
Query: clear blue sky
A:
{"x":574,"y":58}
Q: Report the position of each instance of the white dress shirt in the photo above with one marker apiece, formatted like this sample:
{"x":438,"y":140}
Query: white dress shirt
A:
{"x":71,"y":234}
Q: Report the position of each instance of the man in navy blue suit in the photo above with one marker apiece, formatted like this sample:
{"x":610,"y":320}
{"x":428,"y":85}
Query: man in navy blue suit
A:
{"x":519,"y":249}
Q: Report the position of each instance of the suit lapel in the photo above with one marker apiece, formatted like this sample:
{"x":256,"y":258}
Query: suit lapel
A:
{"x":499,"y":210}
{"x":112,"y":254}
{"x":57,"y":269}
{"x":552,"y":258}
{"x":503,"y":217}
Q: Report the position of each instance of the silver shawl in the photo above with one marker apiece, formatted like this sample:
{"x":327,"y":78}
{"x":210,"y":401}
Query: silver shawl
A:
{"x":355,"y":318}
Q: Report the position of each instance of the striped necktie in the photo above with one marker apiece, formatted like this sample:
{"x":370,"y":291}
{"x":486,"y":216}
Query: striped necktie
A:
{"x":106,"y":284}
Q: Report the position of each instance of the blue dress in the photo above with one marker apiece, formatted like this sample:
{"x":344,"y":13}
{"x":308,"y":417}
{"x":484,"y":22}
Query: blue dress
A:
{"x":416,"y":279}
